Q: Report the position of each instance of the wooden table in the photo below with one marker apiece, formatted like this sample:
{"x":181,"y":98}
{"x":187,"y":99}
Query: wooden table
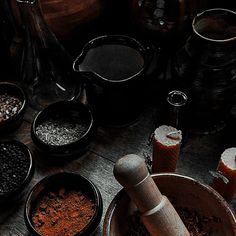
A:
{"x":199,"y":154}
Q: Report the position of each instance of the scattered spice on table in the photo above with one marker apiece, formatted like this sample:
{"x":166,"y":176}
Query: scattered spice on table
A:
{"x":196,"y":225}
{"x":60,"y":130}
{"x":9,"y":106}
{"x":62,"y":212}
{"x":14,"y":166}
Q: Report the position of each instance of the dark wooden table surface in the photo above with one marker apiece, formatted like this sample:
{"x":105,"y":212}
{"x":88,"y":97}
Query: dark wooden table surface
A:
{"x":199,"y":154}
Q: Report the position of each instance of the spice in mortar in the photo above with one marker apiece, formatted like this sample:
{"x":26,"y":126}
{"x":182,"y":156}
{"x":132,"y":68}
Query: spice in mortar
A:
{"x":196,"y":225}
{"x":9,"y":106}
{"x":61,"y":131}
{"x":62,"y":212}
{"x":14,"y":166}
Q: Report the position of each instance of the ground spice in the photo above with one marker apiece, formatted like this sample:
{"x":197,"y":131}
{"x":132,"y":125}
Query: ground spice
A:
{"x":9,"y":106}
{"x":14,"y":166}
{"x":196,"y":225}
{"x":62,"y":212}
{"x":60,"y":131}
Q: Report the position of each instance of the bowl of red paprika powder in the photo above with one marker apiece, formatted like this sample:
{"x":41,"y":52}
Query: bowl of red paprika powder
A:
{"x":64,"y":203}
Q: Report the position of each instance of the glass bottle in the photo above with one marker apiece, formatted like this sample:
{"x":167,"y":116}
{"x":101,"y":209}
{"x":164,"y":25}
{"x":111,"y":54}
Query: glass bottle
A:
{"x":46,"y":70}
{"x":176,"y":102}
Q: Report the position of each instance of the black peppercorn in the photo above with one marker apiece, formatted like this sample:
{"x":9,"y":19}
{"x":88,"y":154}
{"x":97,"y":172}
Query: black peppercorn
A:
{"x":14,"y":166}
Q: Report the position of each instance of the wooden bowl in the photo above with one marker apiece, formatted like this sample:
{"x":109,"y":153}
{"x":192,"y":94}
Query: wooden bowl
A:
{"x":184,"y":192}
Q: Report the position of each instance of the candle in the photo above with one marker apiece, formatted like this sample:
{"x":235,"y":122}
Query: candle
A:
{"x":166,"y":147}
{"x":225,"y":182}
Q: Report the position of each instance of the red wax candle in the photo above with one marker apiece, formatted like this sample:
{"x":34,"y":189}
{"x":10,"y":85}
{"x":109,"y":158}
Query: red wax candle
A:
{"x":227,"y":168}
{"x":166,"y":147}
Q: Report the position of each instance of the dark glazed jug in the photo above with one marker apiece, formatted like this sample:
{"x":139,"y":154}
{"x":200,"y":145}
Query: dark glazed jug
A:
{"x":118,"y":69}
{"x":205,"y":68}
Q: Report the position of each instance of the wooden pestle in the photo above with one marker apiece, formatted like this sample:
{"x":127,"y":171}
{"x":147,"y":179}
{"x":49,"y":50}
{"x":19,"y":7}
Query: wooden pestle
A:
{"x":157,"y":213}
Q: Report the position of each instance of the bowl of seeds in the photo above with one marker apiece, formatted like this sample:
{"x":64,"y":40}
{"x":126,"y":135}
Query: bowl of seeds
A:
{"x":203,"y":211}
{"x":63,"y":129}
{"x":63,"y":203}
{"x":16,"y":170}
{"x":12,"y":106}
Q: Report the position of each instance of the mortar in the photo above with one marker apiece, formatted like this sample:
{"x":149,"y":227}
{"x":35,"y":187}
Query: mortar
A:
{"x":184,"y":192}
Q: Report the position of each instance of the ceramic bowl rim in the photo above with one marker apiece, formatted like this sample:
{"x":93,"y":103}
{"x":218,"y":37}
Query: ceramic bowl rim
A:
{"x":210,"y":11}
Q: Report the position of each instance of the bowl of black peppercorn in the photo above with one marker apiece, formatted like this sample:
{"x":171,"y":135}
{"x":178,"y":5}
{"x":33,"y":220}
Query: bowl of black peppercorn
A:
{"x":63,"y":129}
{"x":12,"y":106}
{"x":16,"y":170}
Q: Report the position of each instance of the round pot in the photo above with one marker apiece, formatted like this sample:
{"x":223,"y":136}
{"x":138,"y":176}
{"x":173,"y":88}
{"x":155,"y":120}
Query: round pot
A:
{"x":73,"y":181}
{"x":68,"y":110}
{"x":64,"y":17}
{"x":118,"y":69}
{"x":205,"y":69}
{"x":184,"y":192}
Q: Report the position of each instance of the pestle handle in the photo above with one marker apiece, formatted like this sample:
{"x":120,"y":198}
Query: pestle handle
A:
{"x":131,"y":171}
{"x":157,"y":213}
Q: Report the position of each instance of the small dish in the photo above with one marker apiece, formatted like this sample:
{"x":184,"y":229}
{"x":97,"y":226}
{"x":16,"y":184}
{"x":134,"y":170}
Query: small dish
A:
{"x":68,"y":180}
{"x":63,"y":129}
{"x":16,"y":170}
{"x":12,"y":91}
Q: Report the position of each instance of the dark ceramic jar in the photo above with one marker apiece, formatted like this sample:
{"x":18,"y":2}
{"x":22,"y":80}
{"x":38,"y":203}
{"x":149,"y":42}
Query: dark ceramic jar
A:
{"x":118,"y":70}
{"x":205,"y":68}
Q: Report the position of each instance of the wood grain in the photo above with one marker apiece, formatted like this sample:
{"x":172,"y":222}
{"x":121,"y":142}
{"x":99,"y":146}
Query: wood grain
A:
{"x":199,"y":154}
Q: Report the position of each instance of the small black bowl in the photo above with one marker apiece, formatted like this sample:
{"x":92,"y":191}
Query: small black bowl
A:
{"x":73,"y":181}
{"x":14,"y":90}
{"x":65,"y":109}
{"x":19,"y":191}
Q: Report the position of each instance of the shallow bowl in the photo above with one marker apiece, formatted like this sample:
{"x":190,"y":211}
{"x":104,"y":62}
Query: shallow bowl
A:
{"x":65,"y":109}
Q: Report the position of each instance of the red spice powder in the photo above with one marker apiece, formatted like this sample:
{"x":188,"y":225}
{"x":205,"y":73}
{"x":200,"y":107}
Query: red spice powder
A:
{"x":62,"y":213}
